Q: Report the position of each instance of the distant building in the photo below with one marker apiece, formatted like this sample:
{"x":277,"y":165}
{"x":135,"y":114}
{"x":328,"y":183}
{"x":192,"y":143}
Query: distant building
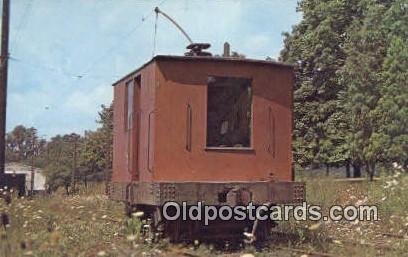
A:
{"x":39,"y":178}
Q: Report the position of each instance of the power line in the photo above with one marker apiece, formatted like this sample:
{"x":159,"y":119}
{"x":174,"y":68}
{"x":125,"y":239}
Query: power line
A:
{"x":49,"y":68}
{"x":86,"y":72}
{"x":44,"y":67}
{"x":121,"y":39}
{"x":23,"y":22}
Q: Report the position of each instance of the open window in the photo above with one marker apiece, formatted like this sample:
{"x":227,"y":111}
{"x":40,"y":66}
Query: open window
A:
{"x":229,"y":112}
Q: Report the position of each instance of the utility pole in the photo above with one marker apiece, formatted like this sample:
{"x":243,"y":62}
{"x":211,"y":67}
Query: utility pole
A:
{"x":75,"y":166}
{"x":3,"y":79}
{"x":32,"y":174}
{"x":32,"y":165}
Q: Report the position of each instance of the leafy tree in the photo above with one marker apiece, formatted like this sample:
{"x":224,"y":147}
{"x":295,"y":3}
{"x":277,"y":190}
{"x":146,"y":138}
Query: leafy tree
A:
{"x":93,"y":156}
{"x":97,"y":149}
{"x":106,"y":130}
{"x":66,"y":159}
{"x":350,"y":103}
{"x":96,"y":152}
{"x":390,"y":139}
{"x":22,"y":144}
{"x":316,"y":48}
{"x":89,"y":157}
{"x":62,"y":167}
{"x":366,"y":49}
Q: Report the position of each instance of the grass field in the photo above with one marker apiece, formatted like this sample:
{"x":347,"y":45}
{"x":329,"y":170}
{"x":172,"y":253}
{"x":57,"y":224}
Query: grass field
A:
{"x":89,"y":224}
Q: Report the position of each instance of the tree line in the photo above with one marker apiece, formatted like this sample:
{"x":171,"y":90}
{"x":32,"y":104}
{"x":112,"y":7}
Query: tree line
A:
{"x":350,"y":98}
{"x":351,"y":91}
{"x":66,"y":159}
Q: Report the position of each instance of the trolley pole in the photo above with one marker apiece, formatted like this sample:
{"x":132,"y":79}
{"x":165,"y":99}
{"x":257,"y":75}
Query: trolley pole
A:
{"x":5,"y":20}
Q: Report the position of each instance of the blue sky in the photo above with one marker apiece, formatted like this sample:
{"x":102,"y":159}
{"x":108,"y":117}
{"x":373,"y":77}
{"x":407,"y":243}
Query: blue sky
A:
{"x":67,"y":53}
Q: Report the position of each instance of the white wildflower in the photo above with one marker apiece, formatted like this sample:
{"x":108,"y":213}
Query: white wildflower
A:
{"x":138,"y":214}
{"x":248,"y":255}
{"x":314,"y":226}
{"x":361,"y":201}
{"x":101,"y":253}
{"x":247,"y":234}
{"x":397,"y":174}
{"x":131,"y":238}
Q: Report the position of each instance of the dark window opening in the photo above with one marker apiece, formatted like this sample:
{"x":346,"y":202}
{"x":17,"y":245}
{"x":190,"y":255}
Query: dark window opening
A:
{"x":229,"y":112}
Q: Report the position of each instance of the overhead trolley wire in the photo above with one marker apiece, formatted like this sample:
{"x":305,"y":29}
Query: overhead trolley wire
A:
{"x":23,"y":22}
{"x":91,"y":67}
{"x":49,"y":68}
{"x":115,"y":46}
{"x":43,"y":67}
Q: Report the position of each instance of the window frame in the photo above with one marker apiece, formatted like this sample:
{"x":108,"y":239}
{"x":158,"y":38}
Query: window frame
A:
{"x":128,"y":122}
{"x":249,"y":148}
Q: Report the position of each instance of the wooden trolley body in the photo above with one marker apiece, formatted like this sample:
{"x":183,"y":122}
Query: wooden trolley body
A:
{"x":161,"y":150}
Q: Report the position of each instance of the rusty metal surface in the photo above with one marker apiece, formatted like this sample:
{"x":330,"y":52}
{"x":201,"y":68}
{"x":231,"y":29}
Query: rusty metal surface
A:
{"x":182,"y":84}
{"x":132,"y":147}
{"x":200,"y":59}
{"x":287,"y":192}
{"x":168,"y":147}
{"x":210,"y":193}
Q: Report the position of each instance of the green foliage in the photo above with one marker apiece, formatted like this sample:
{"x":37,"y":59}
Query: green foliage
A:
{"x":89,"y":157}
{"x":365,"y":49}
{"x":62,"y":155}
{"x":96,"y":153}
{"x":350,"y":100}
{"x":316,"y":47}
{"x":66,"y":158}
{"x":392,"y":110}
{"x":23,"y":143}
